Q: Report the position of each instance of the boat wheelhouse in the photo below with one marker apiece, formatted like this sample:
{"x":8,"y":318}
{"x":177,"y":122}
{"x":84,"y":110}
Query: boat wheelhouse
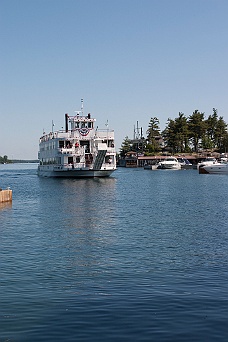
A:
{"x":81,"y":150}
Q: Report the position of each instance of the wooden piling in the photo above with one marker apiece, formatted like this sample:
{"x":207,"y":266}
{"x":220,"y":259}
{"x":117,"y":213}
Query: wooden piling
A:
{"x":5,"y":196}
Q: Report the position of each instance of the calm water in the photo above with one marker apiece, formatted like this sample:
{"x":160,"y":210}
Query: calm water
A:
{"x":140,"y":256}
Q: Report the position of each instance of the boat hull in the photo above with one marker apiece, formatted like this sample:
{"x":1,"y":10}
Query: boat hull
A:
{"x":221,"y":169}
{"x":168,"y":167}
{"x":202,"y":170}
{"x":151,"y":167}
{"x":75,"y":173}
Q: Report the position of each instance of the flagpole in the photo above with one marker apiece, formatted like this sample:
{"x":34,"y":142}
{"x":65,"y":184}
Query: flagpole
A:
{"x":82,"y":105}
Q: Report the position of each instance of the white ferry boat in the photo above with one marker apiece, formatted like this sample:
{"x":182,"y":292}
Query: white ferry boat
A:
{"x":81,"y":150}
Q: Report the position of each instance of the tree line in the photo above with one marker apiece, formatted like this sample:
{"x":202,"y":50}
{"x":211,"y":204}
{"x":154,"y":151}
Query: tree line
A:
{"x":182,"y":135}
{"x":4,"y":160}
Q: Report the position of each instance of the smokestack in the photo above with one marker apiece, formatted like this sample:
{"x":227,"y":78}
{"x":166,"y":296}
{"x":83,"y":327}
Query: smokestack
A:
{"x":66,"y":122}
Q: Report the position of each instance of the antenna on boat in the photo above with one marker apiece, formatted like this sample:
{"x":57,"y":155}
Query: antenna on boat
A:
{"x":52,"y":126}
{"x":137,"y":130}
{"x":107,"y":128}
{"x":82,"y":106}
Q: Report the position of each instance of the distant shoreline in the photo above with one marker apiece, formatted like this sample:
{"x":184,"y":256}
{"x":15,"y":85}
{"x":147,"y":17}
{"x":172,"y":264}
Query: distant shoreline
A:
{"x":18,"y":161}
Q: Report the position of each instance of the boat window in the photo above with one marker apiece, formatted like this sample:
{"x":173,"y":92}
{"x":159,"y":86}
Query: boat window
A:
{"x":68,"y":144}
{"x":61,"y":144}
{"x":110,"y":143}
{"x":86,"y":144}
{"x":108,"y":159}
{"x":70,"y":160}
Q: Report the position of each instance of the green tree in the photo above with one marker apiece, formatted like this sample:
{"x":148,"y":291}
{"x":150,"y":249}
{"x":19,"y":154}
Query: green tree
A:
{"x":207,"y":143}
{"x":181,"y":132}
{"x":224,"y":147}
{"x":153,"y":134}
{"x":4,"y":159}
{"x":211,"y":123}
{"x":220,"y":133}
{"x":125,"y":146}
{"x":197,"y":128}
{"x":169,"y":135}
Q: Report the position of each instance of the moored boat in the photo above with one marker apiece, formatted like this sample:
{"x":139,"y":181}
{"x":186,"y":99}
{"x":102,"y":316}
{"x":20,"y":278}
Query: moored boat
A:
{"x":206,"y":162}
{"x":185,"y":163}
{"x":81,"y":150}
{"x":170,"y":163}
{"x":151,"y":167}
{"x":217,"y":168}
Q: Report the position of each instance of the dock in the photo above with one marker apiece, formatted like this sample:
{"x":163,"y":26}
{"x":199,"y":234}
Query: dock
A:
{"x":5,"y":195}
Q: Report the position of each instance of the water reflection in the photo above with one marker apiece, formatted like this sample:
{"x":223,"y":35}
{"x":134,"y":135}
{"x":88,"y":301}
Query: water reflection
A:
{"x":143,"y":251}
{"x":80,"y":214}
{"x":87,"y":203}
{"x":5,"y":205}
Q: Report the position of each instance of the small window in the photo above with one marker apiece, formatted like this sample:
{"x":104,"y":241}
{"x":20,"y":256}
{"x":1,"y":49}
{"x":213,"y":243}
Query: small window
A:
{"x":61,"y":144}
{"x":70,"y":160}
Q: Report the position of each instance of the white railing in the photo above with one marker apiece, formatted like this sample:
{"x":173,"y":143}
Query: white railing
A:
{"x":71,"y":150}
{"x":66,"y":167}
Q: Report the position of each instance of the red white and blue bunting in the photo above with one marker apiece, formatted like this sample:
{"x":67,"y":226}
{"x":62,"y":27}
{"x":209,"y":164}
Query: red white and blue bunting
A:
{"x":84,"y":131}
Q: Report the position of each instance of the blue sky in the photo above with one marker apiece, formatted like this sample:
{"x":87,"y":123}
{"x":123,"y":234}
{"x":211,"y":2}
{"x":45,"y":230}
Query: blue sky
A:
{"x":129,"y":60}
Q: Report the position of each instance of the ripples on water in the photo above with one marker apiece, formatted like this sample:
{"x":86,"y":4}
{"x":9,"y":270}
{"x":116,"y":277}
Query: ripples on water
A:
{"x":140,"y":256}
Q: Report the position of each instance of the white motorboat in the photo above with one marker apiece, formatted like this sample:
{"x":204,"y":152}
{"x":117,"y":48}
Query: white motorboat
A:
{"x":80,"y":150}
{"x":170,"y":163}
{"x":217,"y":168}
{"x":206,"y":162}
{"x":185,"y":163}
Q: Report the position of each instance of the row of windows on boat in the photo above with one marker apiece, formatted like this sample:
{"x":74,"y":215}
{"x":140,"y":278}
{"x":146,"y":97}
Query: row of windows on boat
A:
{"x":70,"y":144}
{"x":50,"y":161}
{"x":82,"y":125}
{"x":71,"y":160}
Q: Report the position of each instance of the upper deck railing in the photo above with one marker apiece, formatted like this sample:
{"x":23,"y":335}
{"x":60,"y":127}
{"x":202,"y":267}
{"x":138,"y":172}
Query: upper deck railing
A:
{"x":62,"y":134}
